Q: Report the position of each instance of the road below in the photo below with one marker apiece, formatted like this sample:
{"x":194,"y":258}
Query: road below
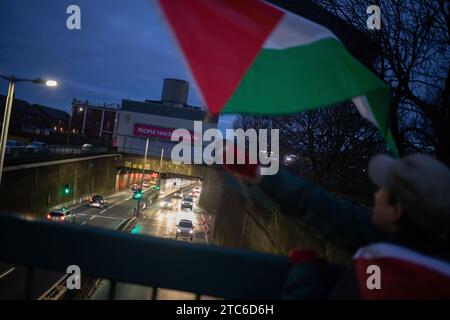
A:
{"x":159,"y":223}
{"x":120,"y":207}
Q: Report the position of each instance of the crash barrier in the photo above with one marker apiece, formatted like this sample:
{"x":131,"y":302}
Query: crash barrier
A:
{"x":59,"y":290}
{"x":106,"y":254}
{"x":51,"y":150}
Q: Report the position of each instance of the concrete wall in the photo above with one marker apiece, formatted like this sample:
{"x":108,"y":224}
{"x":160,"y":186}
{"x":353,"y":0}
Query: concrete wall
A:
{"x":246,"y":218}
{"x":36,"y":190}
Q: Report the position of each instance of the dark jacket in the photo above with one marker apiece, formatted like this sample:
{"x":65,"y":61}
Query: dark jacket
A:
{"x":340,"y":222}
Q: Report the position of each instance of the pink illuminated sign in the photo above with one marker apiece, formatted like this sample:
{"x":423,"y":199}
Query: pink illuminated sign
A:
{"x":148,"y":131}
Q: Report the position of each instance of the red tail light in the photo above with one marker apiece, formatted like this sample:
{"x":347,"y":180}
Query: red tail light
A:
{"x":49,"y":217}
{"x":62,"y":218}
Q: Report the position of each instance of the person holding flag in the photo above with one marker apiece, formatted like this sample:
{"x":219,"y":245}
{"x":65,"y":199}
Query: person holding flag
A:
{"x":252,"y":57}
{"x":406,"y":239}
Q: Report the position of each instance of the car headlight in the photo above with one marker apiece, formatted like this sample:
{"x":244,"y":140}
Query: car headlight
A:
{"x":191,"y":231}
{"x":178,"y":230}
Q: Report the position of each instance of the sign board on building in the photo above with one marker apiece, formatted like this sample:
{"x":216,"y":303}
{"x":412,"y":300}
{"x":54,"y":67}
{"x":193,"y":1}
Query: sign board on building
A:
{"x":148,"y":131}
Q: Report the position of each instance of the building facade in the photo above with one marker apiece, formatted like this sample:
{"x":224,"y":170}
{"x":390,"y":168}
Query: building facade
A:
{"x":156,"y":120}
{"x":93,"y":121}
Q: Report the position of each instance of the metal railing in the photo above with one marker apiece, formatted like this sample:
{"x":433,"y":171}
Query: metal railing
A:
{"x":123,"y":257}
{"x":51,"y":150}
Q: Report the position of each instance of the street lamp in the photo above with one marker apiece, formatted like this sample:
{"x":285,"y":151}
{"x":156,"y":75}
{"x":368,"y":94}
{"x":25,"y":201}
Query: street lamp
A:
{"x":8,"y":107}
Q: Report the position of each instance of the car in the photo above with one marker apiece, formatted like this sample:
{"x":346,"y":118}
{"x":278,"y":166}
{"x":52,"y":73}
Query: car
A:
{"x":86,"y":147}
{"x":37,"y":147}
{"x":13,"y":146}
{"x":187,"y":202}
{"x":166,"y":204}
{"x":61,"y":215}
{"x":145,"y":184}
{"x":97,"y":201}
{"x":185,"y":229}
{"x":178,"y":195}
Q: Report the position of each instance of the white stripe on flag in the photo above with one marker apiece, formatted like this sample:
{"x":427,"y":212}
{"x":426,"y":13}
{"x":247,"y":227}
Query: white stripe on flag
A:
{"x":363,"y":107}
{"x":293,"y":31}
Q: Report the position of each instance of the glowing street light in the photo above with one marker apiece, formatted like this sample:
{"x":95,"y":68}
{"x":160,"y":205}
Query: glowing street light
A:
{"x":8,"y":108}
{"x":51,"y":83}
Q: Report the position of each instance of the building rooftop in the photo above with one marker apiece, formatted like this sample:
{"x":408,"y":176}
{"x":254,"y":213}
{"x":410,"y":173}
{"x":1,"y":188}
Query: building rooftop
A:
{"x":53,"y":113}
{"x":19,"y":106}
{"x":162,"y":109}
{"x":89,"y":104}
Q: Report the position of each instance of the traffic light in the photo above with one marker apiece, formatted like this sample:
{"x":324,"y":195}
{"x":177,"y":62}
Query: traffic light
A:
{"x":66,"y":189}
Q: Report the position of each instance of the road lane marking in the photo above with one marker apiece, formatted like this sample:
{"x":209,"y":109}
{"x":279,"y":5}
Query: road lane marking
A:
{"x":121,"y":201}
{"x":106,"y":217}
{"x":84,"y":222}
{"x":118,"y":194}
{"x":7,"y":272}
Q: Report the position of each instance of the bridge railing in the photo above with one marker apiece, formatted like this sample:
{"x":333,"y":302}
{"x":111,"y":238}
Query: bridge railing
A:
{"x":52,"y":150}
{"x":158,"y":263}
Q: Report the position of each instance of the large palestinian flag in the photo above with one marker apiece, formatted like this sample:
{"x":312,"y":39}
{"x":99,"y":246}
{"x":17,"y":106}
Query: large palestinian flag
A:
{"x":250,"y":57}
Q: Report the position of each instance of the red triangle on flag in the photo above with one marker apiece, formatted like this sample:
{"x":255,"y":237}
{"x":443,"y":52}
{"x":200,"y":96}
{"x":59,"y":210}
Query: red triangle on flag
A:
{"x":220,"y":39}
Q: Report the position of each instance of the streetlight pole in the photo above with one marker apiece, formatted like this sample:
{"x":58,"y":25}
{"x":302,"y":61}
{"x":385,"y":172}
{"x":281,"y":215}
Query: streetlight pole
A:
{"x":8,"y":108}
{"x":142,"y":178}
{"x":70,"y":127}
{"x":5,"y":124}
{"x":145,"y":161}
{"x":160,"y":160}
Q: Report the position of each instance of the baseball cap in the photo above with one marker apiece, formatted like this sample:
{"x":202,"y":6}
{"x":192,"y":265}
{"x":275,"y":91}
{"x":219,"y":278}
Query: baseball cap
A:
{"x":420,"y":183}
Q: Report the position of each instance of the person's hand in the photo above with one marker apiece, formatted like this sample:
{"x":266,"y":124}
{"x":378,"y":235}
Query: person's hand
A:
{"x":248,"y":172}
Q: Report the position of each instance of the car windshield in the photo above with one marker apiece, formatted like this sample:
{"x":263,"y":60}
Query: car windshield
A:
{"x":97,"y":198}
{"x":11,"y":143}
{"x":188,"y":200}
{"x":185,"y":224}
{"x":56,"y":214}
{"x":36,"y":144}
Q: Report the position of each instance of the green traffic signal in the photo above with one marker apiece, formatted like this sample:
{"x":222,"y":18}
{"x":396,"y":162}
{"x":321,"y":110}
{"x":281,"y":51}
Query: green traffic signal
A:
{"x":138,"y":195}
{"x":66,"y":189}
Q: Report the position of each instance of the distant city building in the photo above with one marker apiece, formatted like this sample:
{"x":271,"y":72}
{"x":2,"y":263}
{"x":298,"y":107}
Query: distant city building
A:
{"x":92,"y":120}
{"x":53,"y":119}
{"x":156,"y":120}
{"x":34,"y":119}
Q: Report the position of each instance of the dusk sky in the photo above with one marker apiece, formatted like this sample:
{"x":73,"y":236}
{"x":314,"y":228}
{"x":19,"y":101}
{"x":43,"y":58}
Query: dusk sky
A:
{"x":122,"y":51}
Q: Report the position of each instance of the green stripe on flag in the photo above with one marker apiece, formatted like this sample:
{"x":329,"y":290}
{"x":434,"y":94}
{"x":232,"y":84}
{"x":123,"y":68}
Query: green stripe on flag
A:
{"x":308,"y":77}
